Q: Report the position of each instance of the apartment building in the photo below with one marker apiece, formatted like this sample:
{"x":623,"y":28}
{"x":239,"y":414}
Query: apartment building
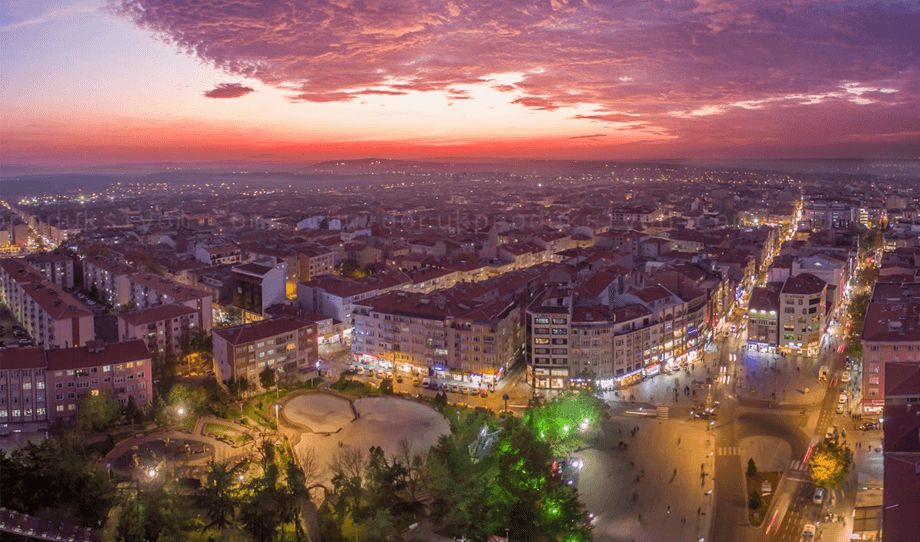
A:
{"x":23,"y":393}
{"x":901,"y":444}
{"x":286,"y":345}
{"x":58,"y":268}
{"x":159,"y":327}
{"x":763,"y":318}
{"x":225,"y":254}
{"x":439,"y":334}
{"x":335,"y":296}
{"x":804,"y":313}
{"x":315,"y":261}
{"x":891,"y":333}
{"x":41,"y":387}
{"x":124,"y":368}
{"x":150,"y":290}
{"x":51,"y":316}
{"x":109,"y":278}
{"x":256,"y":287}
{"x":569,"y":345}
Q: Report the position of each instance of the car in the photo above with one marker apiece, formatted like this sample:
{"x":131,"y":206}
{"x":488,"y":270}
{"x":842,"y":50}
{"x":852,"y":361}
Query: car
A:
{"x":426,"y":382}
{"x":866,"y":426}
{"x":483,"y":392}
{"x":843,"y":397}
{"x":845,"y":377}
{"x":830,"y":434}
{"x":465,"y":390}
{"x":808,"y":533}
{"x":474,"y":390}
{"x":360,"y":370}
{"x":389,"y":374}
{"x":415,"y":382}
{"x":840,"y":408}
{"x":399,"y":378}
{"x":455,"y":388}
{"x":818,"y":497}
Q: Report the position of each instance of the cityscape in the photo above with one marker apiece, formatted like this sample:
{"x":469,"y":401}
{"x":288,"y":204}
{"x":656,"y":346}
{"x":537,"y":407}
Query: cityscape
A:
{"x":442,"y":271}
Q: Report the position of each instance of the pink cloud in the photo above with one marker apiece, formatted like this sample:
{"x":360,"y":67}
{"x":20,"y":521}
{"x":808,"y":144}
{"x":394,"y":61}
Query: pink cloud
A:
{"x":228,"y":90}
{"x":682,"y":68}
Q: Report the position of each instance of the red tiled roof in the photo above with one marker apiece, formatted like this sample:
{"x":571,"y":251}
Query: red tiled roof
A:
{"x":22,"y":358}
{"x":260,"y":330}
{"x":155,"y":314}
{"x":79,"y":357}
{"x":803,"y":284}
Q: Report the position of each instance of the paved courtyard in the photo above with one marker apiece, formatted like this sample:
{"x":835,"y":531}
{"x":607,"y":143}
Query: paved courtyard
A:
{"x":380,"y":421}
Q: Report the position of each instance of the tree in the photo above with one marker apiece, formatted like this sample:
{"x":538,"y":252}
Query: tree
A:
{"x":829,"y":465}
{"x":218,"y":500}
{"x":55,"y":476}
{"x":129,"y":523}
{"x":262,"y":514}
{"x":348,"y":478}
{"x":754,"y":500}
{"x":381,"y":527}
{"x":132,"y":412}
{"x":440,"y":400}
{"x":267,"y":378}
{"x":97,"y":411}
{"x":386,"y":386}
{"x":751,"y":469}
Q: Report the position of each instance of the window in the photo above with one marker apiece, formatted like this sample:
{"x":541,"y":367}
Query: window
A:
{"x":60,"y":408}
{"x":26,"y":385}
{"x":541,"y":320}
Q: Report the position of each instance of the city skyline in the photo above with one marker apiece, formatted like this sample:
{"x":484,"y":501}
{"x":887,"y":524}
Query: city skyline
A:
{"x":151,"y":81}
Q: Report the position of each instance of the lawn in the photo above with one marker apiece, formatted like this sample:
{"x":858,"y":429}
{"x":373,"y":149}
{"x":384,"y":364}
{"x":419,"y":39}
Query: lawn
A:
{"x":757,"y":515}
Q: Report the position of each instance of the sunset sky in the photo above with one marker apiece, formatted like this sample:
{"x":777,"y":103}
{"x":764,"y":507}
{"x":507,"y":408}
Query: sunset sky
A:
{"x":89,"y":82}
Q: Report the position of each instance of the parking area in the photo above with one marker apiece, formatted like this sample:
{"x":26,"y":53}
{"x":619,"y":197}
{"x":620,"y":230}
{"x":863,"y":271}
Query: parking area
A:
{"x":11,"y":332}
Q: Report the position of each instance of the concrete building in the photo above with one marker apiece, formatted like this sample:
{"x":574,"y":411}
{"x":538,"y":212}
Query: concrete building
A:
{"x":124,"y":368}
{"x":23,"y":393}
{"x":568,"y":345}
{"x":39,"y":388}
{"x":109,"y":278}
{"x":58,"y":268}
{"x":225,"y":254}
{"x":336,"y":296}
{"x":159,"y":327}
{"x":286,"y":345}
{"x":256,"y":287}
{"x":891,"y":334}
{"x":763,"y":318}
{"x":439,"y":334}
{"x":51,"y":316}
{"x":315,"y":261}
{"x":149,"y":290}
{"x":901,"y":426}
{"x":803,"y":316}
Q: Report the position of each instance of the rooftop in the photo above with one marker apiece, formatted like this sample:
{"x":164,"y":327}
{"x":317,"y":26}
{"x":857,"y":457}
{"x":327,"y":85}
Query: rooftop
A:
{"x":261,"y":330}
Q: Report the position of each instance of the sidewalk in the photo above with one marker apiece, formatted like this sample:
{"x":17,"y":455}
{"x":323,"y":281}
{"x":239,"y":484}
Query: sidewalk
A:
{"x":792,"y":380}
{"x":635,"y":493}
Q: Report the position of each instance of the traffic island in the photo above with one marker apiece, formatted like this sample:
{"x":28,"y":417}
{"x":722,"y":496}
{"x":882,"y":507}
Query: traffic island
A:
{"x":760,"y":490}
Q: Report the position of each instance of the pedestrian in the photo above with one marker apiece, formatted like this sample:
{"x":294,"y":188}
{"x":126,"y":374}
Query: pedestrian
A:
{"x":683,"y":520}
{"x":643,"y":472}
{"x":669,"y":508}
{"x":620,"y":431}
{"x":640,"y":518}
{"x":678,"y":441}
{"x":675,"y":471}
